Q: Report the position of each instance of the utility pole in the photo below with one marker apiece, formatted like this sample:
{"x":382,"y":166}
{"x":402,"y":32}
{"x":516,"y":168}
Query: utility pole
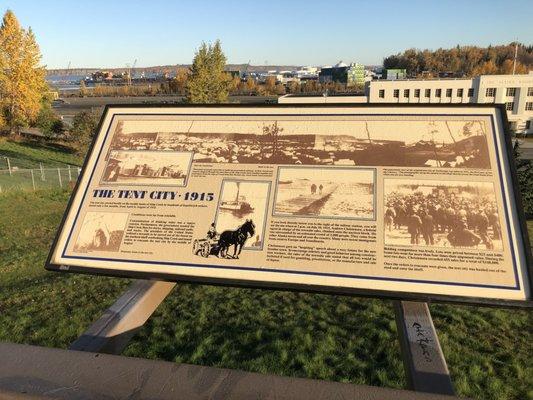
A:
{"x":130,"y":68}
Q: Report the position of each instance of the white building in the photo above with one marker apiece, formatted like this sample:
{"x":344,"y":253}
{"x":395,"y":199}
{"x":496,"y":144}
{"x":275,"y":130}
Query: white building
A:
{"x":307,"y":72}
{"x":324,"y":99}
{"x":515,"y":91}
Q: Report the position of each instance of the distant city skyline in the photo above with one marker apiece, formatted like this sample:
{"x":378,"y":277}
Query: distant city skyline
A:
{"x":103,"y":34}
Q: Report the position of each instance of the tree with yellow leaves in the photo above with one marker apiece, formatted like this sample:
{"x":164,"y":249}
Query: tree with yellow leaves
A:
{"x":22,"y":79}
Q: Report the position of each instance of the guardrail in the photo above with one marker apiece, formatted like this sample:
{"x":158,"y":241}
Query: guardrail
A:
{"x":31,"y":373}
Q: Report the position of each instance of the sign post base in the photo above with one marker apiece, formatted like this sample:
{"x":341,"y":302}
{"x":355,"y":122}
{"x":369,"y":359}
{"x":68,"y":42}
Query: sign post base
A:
{"x":113,"y":330}
{"x":424,"y":362}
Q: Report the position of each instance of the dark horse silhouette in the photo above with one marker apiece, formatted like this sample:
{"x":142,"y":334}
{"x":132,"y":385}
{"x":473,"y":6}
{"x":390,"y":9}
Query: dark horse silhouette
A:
{"x":236,"y":238}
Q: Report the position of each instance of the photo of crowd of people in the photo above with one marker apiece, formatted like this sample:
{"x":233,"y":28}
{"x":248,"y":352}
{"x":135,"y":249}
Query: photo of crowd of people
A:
{"x":147,"y":167}
{"x":442,"y":214}
{"x":436,"y":144}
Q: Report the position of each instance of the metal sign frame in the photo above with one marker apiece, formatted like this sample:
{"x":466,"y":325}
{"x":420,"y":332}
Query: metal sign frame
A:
{"x":398,"y":295}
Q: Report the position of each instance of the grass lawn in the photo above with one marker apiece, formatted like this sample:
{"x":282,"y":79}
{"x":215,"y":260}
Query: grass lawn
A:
{"x":327,"y":337}
{"x":29,"y":154}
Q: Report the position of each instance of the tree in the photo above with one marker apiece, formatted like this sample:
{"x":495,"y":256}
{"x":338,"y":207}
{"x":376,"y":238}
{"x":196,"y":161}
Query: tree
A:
{"x":22,"y":78}
{"x":487,"y":68}
{"x":83,"y":88}
{"x":251,"y":86}
{"x":294,"y":87}
{"x":464,"y":60}
{"x":507,"y":67}
{"x":524,"y":169}
{"x":271,"y":133}
{"x":270,"y":85}
{"x":208,"y":82}
{"x":235,"y":84}
{"x":83,"y":129}
{"x":48,"y":122}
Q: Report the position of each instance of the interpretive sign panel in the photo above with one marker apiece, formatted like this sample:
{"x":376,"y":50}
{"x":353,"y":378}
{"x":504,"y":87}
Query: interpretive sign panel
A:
{"x":399,"y":201}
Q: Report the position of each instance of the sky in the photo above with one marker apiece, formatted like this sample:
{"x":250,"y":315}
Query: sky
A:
{"x":104,"y":33}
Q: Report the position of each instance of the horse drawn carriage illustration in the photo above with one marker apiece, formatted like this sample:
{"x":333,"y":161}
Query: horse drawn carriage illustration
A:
{"x":205,"y":247}
{"x":219,"y":245}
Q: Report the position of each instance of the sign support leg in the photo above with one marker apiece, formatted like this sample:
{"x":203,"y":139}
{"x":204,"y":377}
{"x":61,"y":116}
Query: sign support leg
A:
{"x":112,"y":332}
{"x":424,"y":362}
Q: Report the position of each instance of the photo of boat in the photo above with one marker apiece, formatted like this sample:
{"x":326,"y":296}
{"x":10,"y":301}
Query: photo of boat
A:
{"x":239,"y":205}
{"x":242,"y":201}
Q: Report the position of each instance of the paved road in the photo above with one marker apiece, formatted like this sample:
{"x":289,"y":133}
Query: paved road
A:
{"x":74,"y":105}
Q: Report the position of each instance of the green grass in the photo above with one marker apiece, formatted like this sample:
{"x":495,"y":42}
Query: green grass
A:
{"x":28,"y":154}
{"x":326,"y":337}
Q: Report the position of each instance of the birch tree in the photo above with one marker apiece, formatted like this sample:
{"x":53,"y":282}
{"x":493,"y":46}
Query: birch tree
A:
{"x":22,"y":78}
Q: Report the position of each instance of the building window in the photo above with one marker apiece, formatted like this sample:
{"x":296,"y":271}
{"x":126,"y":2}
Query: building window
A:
{"x":438,"y":92}
{"x":396,"y":93}
{"x":460,"y":92}
{"x":471,"y":92}
{"x":490,"y":92}
{"x":511,"y":91}
{"x":529,"y":106}
{"x":448,"y":92}
{"x":381,"y":94}
{"x":417,"y":92}
{"x":530,"y":91}
{"x":509,"y":106}
{"x":428,"y":93}
{"x":406,"y":93}
{"x":528,"y":125}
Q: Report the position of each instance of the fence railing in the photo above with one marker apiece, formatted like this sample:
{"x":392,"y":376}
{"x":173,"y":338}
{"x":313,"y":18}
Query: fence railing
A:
{"x":38,"y":178}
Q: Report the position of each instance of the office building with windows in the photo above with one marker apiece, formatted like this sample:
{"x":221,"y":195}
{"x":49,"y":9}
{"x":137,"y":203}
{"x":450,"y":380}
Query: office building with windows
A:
{"x":351,"y":75}
{"x":514,"y":91}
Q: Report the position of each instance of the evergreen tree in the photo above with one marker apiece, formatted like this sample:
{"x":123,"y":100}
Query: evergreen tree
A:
{"x":22,"y":78}
{"x":208,"y":82}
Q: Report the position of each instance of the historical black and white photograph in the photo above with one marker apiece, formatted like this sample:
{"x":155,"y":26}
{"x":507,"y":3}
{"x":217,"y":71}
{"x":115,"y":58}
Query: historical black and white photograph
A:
{"x":328,"y":192}
{"x":430,"y":143}
{"x":239,"y":222}
{"x":147,"y":167}
{"x":441,"y":214}
{"x":101,"y":231}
